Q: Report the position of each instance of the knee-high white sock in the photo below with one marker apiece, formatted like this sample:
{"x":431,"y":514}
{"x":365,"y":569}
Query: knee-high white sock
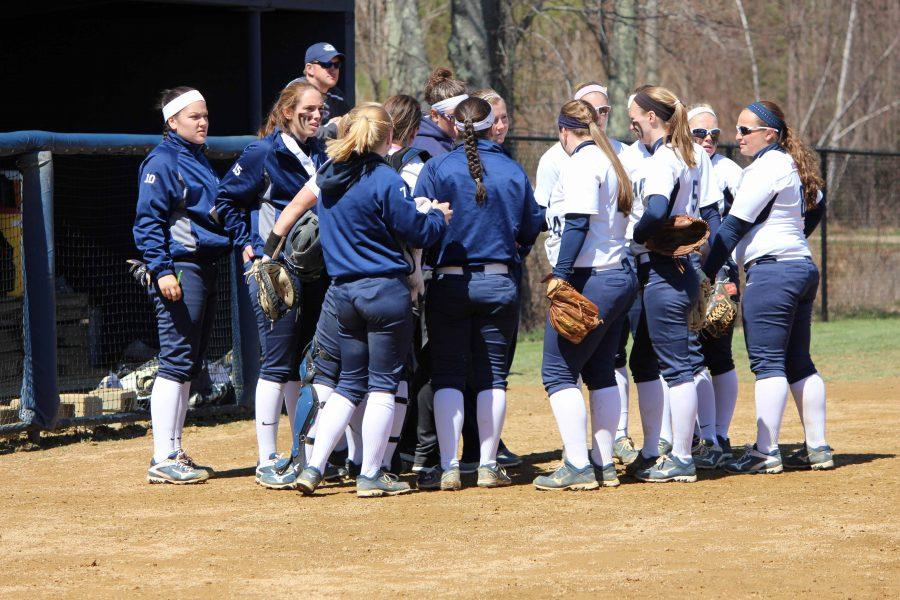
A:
{"x":706,"y":405}
{"x":571,"y":418}
{"x":665,"y":431}
{"x":323,"y":392}
{"x":183,"y":398}
{"x":376,"y":429}
{"x":605,"y":409}
{"x":809,"y":395}
{"x":291,"y":393}
{"x":771,"y":398}
{"x":622,"y":386}
{"x":491,"y":412}
{"x":651,"y":401}
{"x":354,"y":434}
{"x":401,"y":401}
{"x":332,"y":422}
{"x":726,"y":389}
{"x":448,"y":420}
{"x":268,"y":411}
{"x":683,"y":400}
{"x":164,"y":411}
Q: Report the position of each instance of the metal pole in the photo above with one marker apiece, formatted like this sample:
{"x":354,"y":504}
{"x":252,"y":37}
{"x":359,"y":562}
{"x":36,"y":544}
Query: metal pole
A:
{"x":254,"y":69}
{"x":823,"y":232}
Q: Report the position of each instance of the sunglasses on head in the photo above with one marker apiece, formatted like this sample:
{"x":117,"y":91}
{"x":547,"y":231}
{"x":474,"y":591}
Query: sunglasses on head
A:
{"x":701,"y":133}
{"x":748,"y":130}
{"x":328,"y":65}
{"x":603,"y":109}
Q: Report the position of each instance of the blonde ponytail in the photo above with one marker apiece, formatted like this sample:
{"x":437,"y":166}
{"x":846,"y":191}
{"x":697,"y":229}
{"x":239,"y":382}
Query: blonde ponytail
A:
{"x":363,"y":130}
{"x":680,"y":136}
{"x":669,"y":109}
{"x":624,"y":196}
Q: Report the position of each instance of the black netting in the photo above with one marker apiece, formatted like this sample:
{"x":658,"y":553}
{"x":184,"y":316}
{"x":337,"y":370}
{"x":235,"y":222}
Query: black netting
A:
{"x":11,"y":289}
{"x":106,"y":328}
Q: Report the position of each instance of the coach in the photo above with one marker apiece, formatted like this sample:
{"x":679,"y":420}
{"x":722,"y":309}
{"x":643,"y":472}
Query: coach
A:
{"x":323,"y":67}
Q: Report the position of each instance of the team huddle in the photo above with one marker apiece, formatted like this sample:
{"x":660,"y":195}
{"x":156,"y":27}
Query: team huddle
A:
{"x":384,"y":247}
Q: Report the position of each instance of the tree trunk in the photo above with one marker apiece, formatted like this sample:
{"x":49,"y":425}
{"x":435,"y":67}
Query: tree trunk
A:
{"x":407,"y":64}
{"x":474,"y":25}
{"x":651,"y":41}
{"x":622,"y":52}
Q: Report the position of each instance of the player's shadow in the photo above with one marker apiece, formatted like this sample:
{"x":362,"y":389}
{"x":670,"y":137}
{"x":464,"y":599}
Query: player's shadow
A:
{"x":525,"y":473}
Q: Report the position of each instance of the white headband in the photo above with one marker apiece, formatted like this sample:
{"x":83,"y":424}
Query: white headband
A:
{"x":485,"y":123}
{"x":446,"y":106}
{"x":589,"y":89}
{"x":176,"y":104}
{"x":699,"y":111}
{"x":630,"y":100}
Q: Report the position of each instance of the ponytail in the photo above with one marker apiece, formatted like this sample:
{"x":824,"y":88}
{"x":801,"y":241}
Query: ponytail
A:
{"x":363,"y":129}
{"x":807,"y":164}
{"x":624,"y":195}
{"x":468,"y":112}
{"x":680,"y":136}
{"x":669,"y":109}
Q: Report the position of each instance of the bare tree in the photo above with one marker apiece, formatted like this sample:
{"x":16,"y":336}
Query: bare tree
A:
{"x":407,"y":64}
{"x":749,"y":41}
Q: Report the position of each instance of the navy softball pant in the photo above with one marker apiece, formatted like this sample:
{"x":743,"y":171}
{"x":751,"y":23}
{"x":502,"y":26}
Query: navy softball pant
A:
{"x":186,"y":325}
{"x":328,"y":360}
{"x":777,"y":314}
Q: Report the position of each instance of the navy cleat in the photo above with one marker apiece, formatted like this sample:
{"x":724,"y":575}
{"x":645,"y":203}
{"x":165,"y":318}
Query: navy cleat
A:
{"x":382,"y":484}
{"x":567,"y":477}
{"x":754,"y":461}
{"x":281,"y":474}
{"x":469,"y":467}
{"x":725,"y":445}
{"x":352,"y":469}
{"x":506,"y":458}
{"x":640,"y":465}
{"x":309,"y":480}
{"x":429,"y":478}
{"x":817,"y":459}
{"x":670,"y":468}
{"x":175,"y":470}
{"x":492,"y":477}
{"x":707,"y":455}
{"x":624,"y":451}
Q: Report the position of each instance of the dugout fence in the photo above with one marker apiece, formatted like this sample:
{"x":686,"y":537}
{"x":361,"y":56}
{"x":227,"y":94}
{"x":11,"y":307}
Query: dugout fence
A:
{"x":78,"y":339}
{"x":857,"y":246}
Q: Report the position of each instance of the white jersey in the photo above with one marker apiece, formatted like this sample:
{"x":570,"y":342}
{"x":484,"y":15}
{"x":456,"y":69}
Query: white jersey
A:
{"x":548,"y":170}
{"x":771,"y":197}
{"x":728,"y":174}
{"x":665,"y":174}
{"x":588,"y":185}
{"x":410,"y":171}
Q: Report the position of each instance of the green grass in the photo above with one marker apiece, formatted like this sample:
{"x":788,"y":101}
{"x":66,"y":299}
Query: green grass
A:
{"x":844,"y":350}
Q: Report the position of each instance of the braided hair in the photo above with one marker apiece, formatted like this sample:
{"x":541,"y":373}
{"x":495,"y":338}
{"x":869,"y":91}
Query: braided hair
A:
{"x":468,"y":112}
{"x":167,"y":96}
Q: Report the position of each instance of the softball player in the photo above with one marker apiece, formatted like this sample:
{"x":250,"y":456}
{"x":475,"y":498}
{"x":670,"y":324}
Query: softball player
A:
{"x":501,"y":114}
{"x":176,"y":231}
{"x":587,"y":217}
{"x":471,"y":302}
{"x":436,"y":133}
{"x":547,"y":175}
{"x":714,"y":414}
{"x":266,"y":176}
{"x":778,"y":204}
{"x":676,"y":180}
{"x":364,"y":207}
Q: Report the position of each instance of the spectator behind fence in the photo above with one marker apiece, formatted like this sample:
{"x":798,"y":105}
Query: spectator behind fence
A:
{"x":322,"y":69}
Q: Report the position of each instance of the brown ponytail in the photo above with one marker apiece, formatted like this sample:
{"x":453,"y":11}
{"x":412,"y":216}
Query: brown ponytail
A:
{"x":677,"y":128}
{"x":468,"y":111}
{"x":583,"y":112}
{"x":807,"y":164}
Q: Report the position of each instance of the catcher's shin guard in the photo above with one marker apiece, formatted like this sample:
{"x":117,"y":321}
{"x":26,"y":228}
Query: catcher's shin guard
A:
{"x":307,"y":408}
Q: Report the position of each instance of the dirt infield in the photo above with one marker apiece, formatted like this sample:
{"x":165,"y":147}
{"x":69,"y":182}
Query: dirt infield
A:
{"x":78,"y":520}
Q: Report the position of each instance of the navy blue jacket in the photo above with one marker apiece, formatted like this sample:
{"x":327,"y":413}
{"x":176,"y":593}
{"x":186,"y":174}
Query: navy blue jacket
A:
{"x":432,"y":138}
{"x":175,"y":217}
{"x":365,"y":212}
{"x":478,"y":235}
{"x":259,"y":185}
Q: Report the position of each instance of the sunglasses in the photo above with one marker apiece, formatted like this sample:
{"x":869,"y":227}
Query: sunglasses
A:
{"x":748,"y":130}
{"x":701,"y":133}
{"x":602,"y":109}
{"x":327,"y":65}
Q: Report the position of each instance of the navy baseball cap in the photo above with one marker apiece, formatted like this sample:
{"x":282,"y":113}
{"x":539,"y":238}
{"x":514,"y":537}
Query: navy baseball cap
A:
{"x":322,"y":52}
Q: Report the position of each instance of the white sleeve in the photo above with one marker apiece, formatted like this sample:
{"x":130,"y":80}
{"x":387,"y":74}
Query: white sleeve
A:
{"x":546,"y":177}
{"x":752,"y":197}
{"x":710,"y":192}
{"x":580,"y":189}
{"x":312,"y":186}
{"x":410,"y":172}
{"x":662,"y":173}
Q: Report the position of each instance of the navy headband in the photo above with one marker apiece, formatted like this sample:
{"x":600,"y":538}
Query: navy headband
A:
{"x":767,"y":116}
{"x":645,"y":101}
{"x":571,"y":123}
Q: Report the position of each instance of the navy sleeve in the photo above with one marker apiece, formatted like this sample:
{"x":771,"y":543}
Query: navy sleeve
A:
{"x":420,"y":230}
{"x":721,"y":247}
{"x":532,"y":219}
{"x":239,"y":190}
{"x":813,"y":217}
{"x":711,"y":215}
{"x":158,"y":186}
{"x":654,"y":217}
{"x":573,"y":237}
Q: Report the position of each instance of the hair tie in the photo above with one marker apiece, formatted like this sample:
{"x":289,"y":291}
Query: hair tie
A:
{"x":767,"y":116}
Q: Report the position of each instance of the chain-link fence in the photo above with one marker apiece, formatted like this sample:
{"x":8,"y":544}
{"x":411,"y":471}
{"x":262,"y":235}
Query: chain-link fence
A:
{"x":857,"y":246}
